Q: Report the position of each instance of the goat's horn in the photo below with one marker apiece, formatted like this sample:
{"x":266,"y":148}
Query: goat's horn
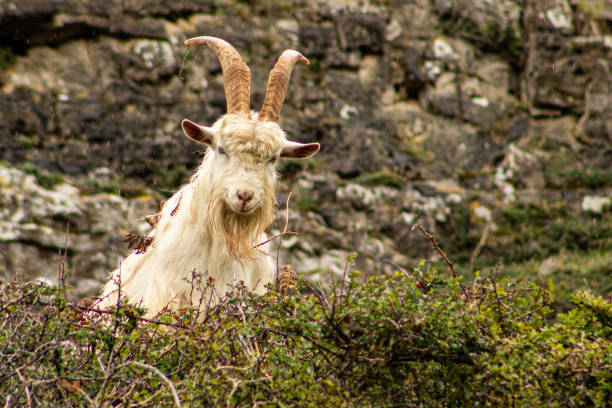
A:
{"x":278,"y":82}
{"x":236,"y":73}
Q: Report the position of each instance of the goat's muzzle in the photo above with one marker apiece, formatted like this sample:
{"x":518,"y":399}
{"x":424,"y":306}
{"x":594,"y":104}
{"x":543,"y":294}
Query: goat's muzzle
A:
{"x":243,"y":200}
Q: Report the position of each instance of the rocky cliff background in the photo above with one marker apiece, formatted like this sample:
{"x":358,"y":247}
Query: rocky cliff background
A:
{"x":489,"y":123}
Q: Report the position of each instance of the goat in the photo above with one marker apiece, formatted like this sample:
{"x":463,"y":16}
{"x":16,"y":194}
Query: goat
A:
{"x":213,"y":225}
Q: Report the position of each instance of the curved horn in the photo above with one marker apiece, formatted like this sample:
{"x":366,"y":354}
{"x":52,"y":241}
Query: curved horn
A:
{"x":236,"y":73}
{"x":278,"y":82}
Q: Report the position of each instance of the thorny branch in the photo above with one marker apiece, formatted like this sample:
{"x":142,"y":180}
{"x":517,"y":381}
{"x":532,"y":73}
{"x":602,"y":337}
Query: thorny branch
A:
{"x":130,"y":315}
{"x":436,"y":246}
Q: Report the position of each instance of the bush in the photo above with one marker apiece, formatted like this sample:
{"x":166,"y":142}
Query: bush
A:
{"x":414,"y":339}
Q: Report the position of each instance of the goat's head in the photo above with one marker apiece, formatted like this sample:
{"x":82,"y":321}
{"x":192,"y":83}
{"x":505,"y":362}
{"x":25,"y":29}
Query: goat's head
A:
{"x":245,"y":146}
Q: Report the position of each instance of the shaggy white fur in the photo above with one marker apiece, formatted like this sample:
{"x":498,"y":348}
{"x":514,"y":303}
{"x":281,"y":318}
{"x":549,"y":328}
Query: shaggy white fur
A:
{"x":212,"y":225}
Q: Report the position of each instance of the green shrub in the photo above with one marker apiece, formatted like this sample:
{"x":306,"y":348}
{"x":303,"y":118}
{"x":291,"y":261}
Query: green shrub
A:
{"x":541,"y":231}
{"x":382,"y":178}
{"x":414,"y":339}
{"x":577,"y":178}
{"x":7,"y":58}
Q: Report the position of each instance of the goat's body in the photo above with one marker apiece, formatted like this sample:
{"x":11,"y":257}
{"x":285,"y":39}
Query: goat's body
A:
{"x":183,"y":243}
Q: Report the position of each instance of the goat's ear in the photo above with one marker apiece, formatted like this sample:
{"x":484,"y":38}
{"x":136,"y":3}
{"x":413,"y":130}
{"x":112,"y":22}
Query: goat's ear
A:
{"x":294,"y":150}
{"x":197,"y":133}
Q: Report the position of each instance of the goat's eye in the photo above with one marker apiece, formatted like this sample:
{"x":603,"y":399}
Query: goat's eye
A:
{"x":273,"y":160}
{"x":220,"y":150}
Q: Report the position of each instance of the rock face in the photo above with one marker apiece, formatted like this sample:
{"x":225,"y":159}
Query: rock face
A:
{"x":43,"y":227}
{"x":451,"y":114}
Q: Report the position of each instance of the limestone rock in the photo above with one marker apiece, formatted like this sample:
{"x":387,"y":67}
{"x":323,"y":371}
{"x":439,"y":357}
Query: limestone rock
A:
{"x":449,"y":114}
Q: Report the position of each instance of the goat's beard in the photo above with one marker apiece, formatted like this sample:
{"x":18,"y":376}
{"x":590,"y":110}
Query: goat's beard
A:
{"x":239,"y":232}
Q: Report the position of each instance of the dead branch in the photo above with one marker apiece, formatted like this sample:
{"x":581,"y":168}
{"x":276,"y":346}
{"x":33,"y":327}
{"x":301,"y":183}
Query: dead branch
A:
{"x":481,"y":243}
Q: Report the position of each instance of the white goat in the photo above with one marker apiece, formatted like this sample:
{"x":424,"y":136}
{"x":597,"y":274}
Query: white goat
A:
{"x":213,"y":224}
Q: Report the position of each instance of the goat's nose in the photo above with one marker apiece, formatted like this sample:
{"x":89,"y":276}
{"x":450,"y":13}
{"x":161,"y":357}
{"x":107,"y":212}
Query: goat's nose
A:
{"x":244,"y":195}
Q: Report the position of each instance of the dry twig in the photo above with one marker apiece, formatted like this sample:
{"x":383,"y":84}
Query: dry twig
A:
{"x":138,"y":242}
{"x":25,"y":386}
{"x":481,"y":243}
{"x":286,"y":280}
{"x":177,"y":400}
{"x":280,"y":236}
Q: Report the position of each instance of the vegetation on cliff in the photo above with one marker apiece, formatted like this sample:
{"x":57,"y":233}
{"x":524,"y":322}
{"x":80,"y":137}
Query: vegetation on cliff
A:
{"x":417,"y":338}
